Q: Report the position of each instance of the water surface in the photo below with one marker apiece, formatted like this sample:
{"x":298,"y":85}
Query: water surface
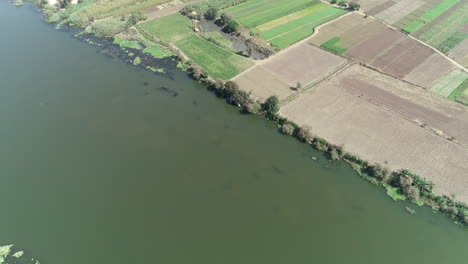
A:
{"x":99,"y":165}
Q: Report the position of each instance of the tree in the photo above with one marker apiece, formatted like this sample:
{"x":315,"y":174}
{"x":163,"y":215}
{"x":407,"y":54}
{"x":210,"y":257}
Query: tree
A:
{"x":211,"y":13}
{"x":271,"y":105}
{"x":333,"y":2}
{"x":304,"y":134}
{"x":298,"y":86}
{"x":353,"y":6}
{"x":287,"y":129}
{"x":343,"y":3}
{"x":230,"y":88}
{"x":231,"y":27}
{"x":225,"y":19}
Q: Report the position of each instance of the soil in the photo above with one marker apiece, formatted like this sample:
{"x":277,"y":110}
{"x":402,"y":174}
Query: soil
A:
{"x":428,"y":72}
{"x":375,"y":45}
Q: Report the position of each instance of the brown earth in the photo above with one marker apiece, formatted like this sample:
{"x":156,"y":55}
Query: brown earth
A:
{"x":402,"y":58}
{"x":428,"y":72}
{"x":375,"y":45}
{"x":380,"y":8}
{"x":263,"y":84}
{"x":337,"y":28}
{"x":304,"y":63}
{"x":374,"y":116}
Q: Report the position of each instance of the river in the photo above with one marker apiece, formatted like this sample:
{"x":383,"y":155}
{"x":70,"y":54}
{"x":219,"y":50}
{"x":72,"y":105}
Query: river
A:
{"x":100,"y":166}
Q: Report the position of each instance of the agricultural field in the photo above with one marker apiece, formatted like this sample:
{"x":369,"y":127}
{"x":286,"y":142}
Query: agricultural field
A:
{"x":304,"y":64}
{"x":369,"y":112}
{"x":218,"y":61}
{"x":439,"y":23}
{"x":461,"y":93}
{"x":449,"y":83}
{"x":385,"y":49}
{"x":284,"y":22}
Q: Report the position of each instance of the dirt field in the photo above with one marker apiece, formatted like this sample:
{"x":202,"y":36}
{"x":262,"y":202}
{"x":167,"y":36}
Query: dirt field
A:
{"x":375,"y":45}
{"x":428,"y":72}
{"x":380,"y":119}
{"x":263,"y":84}
{"x":303,"y":63}
{"x":402,"y":58}
{"x":460,"y":53}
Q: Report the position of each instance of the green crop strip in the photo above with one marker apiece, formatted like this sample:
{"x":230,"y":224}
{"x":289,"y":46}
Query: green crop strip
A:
{"x":433,"y":13}
{"x":332,"y":45}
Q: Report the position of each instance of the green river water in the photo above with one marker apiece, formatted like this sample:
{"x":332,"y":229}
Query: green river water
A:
{"x":98,"y":168}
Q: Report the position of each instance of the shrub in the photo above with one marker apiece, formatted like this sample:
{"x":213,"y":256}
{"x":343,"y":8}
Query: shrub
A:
{"x":333,"y":2}
{"x":240,"y":97}
{"x":108,"y":27}
{"x":334,"y":155}
{"x":378,"y":172}
{"x":230,"y":88}
{"x":225,"y":19}
{"x":353,"y":6}
{"x":304,"y":134}
{"x":231,"y":27}
{"x":320,"y":144}
{"x":271,"y":105}
{"x":211,"y":13}
{"x":287,"y":129}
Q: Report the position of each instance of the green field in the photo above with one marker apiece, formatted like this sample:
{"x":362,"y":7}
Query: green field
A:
{"x":448,"y":84}
{"x":461,"y":93}
{"x":430,"y":15}
{"x":169,"y":28}
{"x":447,"y":34}
{"x":333,"y":46}
{"x":258,"y":12}
{"x":217,"y":61}
{"x":298,"y":34}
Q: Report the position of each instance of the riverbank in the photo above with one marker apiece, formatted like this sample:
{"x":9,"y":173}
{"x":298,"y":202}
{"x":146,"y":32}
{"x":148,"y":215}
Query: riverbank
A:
{"x":404,"y":181}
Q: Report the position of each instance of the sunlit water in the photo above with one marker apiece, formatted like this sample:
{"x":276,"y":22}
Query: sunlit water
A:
{"x":98,"y":168}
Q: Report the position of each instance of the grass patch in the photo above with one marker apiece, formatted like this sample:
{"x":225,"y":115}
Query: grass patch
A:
{"x":218,"y":62}
{"x":452,"y":42}
{"x":332,"y":45}
{"x":461,"y":93}
{"x":394,"y":193}
{"x":291,"y":17}
{"x":298,"y":34}
{"x":218,"y":39}
{"x":430,"y":15}
{"x":449,"y":83}
{"x":170,"y":28}
{"x":158,"y":52}
{"x":137,"y":61}
{"x":127,"y":43}
{"x":254,"y":14}
{"x":108,"y":27}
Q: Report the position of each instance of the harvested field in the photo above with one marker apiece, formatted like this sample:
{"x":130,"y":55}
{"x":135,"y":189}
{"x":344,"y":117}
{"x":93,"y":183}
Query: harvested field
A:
{"x":304,"y":63}
{"x":446,"y":85}
{"x":399,"y":10}
{"x":263,"y":84}
{"x":373,"y":115}
{"x":380,"y":8}
{"x":460,"y":53}
{"x":337,"y":28}
{"x":402,"y":58}
{"x":375,"y":45}
{"x":430,"y":71}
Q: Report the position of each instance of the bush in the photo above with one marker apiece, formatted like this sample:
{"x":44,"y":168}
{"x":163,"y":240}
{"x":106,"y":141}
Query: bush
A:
{"x":225,"y":19}
{"x":108,"y":27}
{"x":287,"y":129}
{"x":334,"y":155}
{"x":271,"y":105}
{"x":378,"y":172}
{"x":231,"y":27}
{"x":230,"y":88}
{"x":304,"y":134}
{"x":211,"y":13}
{"x":320,"y":144}
{"x":354,"y":6}
{"x":343,"y":4}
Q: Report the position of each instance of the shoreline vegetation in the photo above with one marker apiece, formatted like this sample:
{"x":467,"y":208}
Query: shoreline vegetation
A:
{"x":112,"y":22}
{"x":10,"y":255}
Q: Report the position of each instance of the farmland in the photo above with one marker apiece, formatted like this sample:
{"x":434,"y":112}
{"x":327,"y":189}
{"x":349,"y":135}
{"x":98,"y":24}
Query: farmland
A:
{"x":219,"y":62}
{"x":449,"y":83}
{"x":302,"y":64}
{"x":283,"y":22}
{"x":374,"y":115}
{"x":387,"y":50}
{"x":439,"y":23}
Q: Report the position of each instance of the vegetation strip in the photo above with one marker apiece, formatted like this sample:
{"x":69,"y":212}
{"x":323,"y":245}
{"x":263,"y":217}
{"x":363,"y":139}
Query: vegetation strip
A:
{"x":332,"y":45}
{"x":433,"y":13}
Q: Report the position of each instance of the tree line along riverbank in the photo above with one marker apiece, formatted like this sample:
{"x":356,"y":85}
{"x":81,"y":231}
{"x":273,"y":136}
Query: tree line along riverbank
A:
{"x":122,"y":22}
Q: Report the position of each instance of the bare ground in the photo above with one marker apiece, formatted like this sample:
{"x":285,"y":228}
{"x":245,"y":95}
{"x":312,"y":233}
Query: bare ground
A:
{"x":428,"y":72}
{"x":380,"y":118}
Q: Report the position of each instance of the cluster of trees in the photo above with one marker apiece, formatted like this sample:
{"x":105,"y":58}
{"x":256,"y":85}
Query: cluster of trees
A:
{"x":350,"y":6}
{"x":225,"y":20}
